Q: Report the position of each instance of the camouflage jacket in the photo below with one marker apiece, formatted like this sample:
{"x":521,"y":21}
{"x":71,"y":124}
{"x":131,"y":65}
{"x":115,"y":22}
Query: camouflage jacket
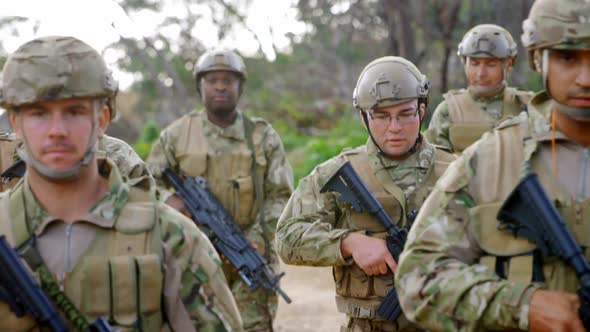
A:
{"x":309,"y":230}
{"x":486,"y":111}
{"x":193,"y":281}
{"x":194,"y":146}
{"x":447,"y":276}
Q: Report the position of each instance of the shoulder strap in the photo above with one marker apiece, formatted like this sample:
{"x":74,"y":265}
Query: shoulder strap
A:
{"x":249,"y":127}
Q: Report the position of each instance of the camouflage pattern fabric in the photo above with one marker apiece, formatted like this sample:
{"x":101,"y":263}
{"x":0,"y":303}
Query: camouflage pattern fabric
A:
{"x":7,"y":157}
{"x":443,"y":284}
{"x":224,"y":159}
{"x":193,"y":263}
{"x":313,"y":224}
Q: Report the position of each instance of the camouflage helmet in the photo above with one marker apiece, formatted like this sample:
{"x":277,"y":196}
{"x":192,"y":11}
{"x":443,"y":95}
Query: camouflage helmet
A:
{"x":52,"y":68}
{"x":219,"y":60}
{"x":487,"y":41}
{"x":387,"y":81}
{"x":556,"y":24}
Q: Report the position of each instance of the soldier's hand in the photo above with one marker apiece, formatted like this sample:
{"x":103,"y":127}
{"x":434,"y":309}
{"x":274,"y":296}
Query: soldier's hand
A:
{"x":370,"y":254}
{"x":554,"y":311}
{"x":178,"y":204}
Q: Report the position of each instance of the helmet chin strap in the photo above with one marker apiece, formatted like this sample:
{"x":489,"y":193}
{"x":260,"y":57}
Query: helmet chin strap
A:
{"x":570,"y":111}
{"x":71,"y":173}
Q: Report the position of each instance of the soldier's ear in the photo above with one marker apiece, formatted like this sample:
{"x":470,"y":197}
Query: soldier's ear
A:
{"x":104,"y":118}
{"x":13,"y":119}
{"x":422,"y":111}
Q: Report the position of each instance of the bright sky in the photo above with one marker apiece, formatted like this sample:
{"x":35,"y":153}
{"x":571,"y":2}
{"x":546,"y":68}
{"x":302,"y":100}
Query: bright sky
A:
{"x":101,"y":22}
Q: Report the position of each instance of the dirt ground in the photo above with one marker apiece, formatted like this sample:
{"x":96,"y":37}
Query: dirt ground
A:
{"x":313,"y":308}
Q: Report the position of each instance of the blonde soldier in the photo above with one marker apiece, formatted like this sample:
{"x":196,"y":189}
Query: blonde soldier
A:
{"x":99,"y":245}
{"x":488,"y":53}
{"x":244,"y":163}
{"x":122,"y":154}
{"x":459,"y":271}
{"x":396,"y":165}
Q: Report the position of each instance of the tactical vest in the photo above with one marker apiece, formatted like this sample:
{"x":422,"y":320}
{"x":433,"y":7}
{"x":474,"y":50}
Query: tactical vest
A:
{"x":228,"y":172}
{"x":119,"y":277}
{"x":469,"y":122}
{"x":7,"y":154}
{"x":515,"y":258}
{"x":358,"y":295}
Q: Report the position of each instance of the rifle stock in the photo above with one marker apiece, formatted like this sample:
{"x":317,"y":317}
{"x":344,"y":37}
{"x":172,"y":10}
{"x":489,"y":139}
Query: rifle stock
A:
{"x":353,"y":191}
{"x":210,"y":215}
{"x":528,"y":212}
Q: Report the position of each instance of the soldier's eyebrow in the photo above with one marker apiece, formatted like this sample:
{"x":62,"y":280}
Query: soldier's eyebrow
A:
{"x":77,"y":107}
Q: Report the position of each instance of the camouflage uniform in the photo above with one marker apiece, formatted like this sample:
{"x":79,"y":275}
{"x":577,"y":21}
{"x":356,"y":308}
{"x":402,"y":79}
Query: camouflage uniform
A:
{"x":461,"y":119}
{"x":313,"y":225}
{"x":459,"y":272}
{"x":194,"y":146}
{"x":192,"y":281}
{"x":463,"y":116}
{"x":7,"y":157}
{"x":449,"y":271}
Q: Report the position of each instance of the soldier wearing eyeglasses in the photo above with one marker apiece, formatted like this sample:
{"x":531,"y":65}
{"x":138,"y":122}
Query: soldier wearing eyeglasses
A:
{"x":397,"y":165}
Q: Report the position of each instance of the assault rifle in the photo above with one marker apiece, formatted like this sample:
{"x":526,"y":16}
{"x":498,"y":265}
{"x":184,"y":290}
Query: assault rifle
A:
{"x":219,"y":226}
{"x":23,"y":295}
{"x":528,"y":212}
{"x":352,"y":190}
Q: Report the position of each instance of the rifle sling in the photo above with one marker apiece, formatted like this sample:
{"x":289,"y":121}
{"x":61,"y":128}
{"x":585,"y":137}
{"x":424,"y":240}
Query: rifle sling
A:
{"x":249,"y":127}
{"x":28,"y":251}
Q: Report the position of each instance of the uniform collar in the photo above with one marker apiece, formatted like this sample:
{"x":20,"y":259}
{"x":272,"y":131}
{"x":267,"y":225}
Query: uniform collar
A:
{"x":104,"y":214}
{"x":497,"y":97}
{"x":235,"y":130}
{"x":421,"y":159}
{"x":539,"y":118}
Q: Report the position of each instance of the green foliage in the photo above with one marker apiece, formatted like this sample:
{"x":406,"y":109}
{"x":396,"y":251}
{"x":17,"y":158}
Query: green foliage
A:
{"x":306,"y":151}
{"x":148,"y":135}
{"x":534,"y":81}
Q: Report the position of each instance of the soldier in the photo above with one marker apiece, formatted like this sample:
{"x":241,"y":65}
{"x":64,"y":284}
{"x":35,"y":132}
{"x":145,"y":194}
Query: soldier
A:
{"x":101,"y":246}
{"x":396,"y":165}
{"x":244,"y":163}
{"x":459,"y":271}
{"x":488,"y":53}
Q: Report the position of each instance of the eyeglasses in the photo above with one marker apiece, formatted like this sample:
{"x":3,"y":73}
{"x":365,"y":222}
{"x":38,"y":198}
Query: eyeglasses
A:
{"x":384,"y":118}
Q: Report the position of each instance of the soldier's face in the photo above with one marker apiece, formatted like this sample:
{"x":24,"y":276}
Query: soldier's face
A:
{"x":485,"y":72}
{"x":395,"y":128}
{"x":57,"y":133}
{"x":220,"y":91}
{"x":568,"y":77}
